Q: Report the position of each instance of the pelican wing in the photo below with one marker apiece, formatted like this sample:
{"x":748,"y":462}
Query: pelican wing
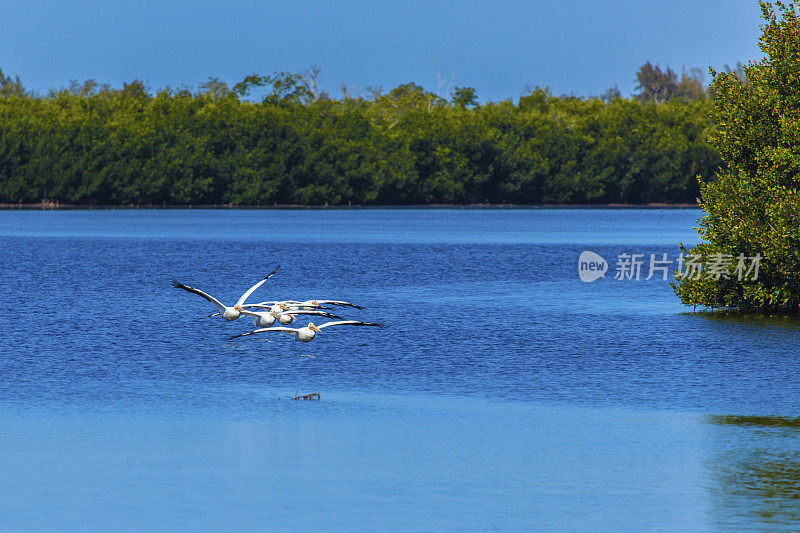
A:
{"x":311,"y":304}
{"x":348,"y":323}
{"x":261,"y":330}
{"x":295,"y":307}
{"x":302,"y":307}
{"x":260,"y":305}
{"x":217,"y":303}
{"x":299,"y":304}
{"x":257,"y":285}
{"x":316,"y":313}
{"x":287,"y":303}
{"x":339,"y":303}
{"x":250,"y":313}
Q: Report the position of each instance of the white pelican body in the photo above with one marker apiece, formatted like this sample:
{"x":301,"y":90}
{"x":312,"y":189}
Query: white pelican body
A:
{"x":231,"y":313}
{"x":228,"y":313}
{"x":262,"y":319}
{"x":307,"y":333}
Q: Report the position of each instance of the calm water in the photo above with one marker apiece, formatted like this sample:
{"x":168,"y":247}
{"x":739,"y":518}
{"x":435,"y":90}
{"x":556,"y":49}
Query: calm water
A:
{"x":503,"y":393}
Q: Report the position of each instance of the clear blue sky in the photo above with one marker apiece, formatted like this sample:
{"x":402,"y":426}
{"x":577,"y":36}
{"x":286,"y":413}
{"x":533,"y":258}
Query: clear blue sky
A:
{"x":498,"y":47}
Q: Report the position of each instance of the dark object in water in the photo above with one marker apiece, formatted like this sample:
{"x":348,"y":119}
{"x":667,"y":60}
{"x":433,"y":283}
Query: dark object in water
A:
{"x":312,"y":396}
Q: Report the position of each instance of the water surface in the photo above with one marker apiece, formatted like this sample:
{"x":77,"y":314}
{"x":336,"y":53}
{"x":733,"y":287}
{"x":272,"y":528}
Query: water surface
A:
{"x":502,"y":392}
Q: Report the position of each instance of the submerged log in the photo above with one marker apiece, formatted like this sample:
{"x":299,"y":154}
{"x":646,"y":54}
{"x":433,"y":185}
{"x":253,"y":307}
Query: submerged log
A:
{"x":312,"y":396}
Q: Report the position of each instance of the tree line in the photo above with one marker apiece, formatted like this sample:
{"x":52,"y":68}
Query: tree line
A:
{"x":279,"y":139}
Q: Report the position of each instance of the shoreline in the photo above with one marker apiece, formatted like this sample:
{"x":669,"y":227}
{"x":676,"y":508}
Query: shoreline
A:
{"x":60,"y":206}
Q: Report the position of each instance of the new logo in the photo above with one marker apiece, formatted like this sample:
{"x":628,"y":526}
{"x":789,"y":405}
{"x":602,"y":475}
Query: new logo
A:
{"x":591,"y":266}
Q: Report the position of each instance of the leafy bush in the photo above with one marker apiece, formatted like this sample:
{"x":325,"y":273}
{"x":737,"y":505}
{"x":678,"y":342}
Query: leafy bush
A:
{"x":753,"y":207}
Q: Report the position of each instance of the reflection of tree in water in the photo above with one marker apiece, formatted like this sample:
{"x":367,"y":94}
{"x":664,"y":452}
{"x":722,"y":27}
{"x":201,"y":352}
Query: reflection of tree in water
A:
{"x":756,"y":470}
{"x":757,"y":421}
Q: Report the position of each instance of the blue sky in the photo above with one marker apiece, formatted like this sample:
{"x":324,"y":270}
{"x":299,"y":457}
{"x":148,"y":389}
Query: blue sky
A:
{"x":498,"y":47}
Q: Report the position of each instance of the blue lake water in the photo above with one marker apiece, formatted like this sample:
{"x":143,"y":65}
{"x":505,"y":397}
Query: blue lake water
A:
{"x":502,"y":393}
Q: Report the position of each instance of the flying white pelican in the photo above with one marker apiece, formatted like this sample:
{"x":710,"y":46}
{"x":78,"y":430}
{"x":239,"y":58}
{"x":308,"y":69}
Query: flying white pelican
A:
{"x":264,"y":319}
{"x":307,"y":333}
{"x":228,"y":313}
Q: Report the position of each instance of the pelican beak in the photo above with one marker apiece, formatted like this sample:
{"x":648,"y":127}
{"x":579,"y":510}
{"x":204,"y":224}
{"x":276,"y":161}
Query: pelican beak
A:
{"x":238,"y":307}
{"x":312,"y":327}
{"x":314,"y":302}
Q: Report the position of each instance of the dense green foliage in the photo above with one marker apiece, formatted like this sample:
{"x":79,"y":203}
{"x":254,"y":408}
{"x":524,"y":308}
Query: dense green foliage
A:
{"x":90,"y":145}
{"x":753,"y":207}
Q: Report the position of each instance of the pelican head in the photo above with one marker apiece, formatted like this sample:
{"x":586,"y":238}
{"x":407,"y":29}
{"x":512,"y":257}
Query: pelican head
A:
{"x":274,"y":314}
{"x":314,"y":302}
{"x":312,"y":327}
{"x":238,"y":308}
{"x":283,"y":307}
